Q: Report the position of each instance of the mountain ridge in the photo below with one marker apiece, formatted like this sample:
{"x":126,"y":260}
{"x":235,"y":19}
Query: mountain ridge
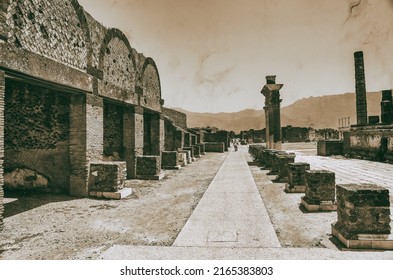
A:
{"x":319,"y":112}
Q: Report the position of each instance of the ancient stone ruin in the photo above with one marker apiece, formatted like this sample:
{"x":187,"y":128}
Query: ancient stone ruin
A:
{"x":271,"y":91}
{"x":80,"y":109}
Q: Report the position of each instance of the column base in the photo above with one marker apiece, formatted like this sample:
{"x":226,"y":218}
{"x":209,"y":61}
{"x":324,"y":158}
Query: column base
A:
{"x":120,"y":194}
{"x":327,"y":206}
{"x":363,"y":241}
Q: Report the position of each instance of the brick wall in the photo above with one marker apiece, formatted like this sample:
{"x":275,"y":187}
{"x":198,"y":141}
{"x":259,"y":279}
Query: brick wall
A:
{"x":179,"y":118}
{"x":49,"y":28}
{"x":2,"y":92}
{"x":150,"y":82}
{"x":86,"y":139}
{"x":374,"y":143}
{"x":113,"y":131}
{"x":36,"y":132}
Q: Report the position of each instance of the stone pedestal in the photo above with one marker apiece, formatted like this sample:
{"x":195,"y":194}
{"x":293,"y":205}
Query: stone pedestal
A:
{"x":106,"y":180}
{"x":267,"y":155}
{"x":320,"y":191}
{"x":192,"y":152}
{"x":330,"y":147}
{"x":197,"y":151}
{"x":275,"y":163}
{"x":182,"y":158}
{"x":256,"y":151}
{"x":169,"y":160}
{"x":187,"y":156}
{"x":148,"y":168}
{"x":202,"y":148}
{"x":283,"y":167}
{"x":297,"y":177}
{"x":215,"y":147}
{"x":363,"y":217}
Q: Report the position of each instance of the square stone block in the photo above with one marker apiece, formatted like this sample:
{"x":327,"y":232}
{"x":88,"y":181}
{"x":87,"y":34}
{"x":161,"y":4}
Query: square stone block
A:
{"x":107,"y":176}
{"x":320,"y":186}
{"x":148,"y":166}
{"x":215,"y":147}
{"x":362,"y":208}
{"x":297,"y":177}
{"x":170,"y":160}
{"x":283,"y":167}
{"x":191,"y":149}
{"x":182,"y":158}
{"x":202,"y":148}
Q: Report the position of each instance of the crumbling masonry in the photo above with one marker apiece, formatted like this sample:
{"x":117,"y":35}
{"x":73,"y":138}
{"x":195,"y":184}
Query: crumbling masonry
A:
{"x":73,"y":94}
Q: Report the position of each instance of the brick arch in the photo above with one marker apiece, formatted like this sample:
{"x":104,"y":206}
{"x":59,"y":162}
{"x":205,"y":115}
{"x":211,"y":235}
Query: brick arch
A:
{"x":57,"y":30}
{"x":117,"y":61}
{"x":149,"y":81}
{"x":3,"y":19}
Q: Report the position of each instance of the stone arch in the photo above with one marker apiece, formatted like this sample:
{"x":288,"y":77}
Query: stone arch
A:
{"x":117,"y":61}
{"x":57,"y":30}
{"x":149,"y":81}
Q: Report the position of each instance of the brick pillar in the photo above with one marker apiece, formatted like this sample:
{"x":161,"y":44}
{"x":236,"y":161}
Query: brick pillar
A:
{"x":86,"y":139}
{"x":2,"y":92}
{"x":133,"y":138}
{"x":360,"y":86}
{"x":179,"y":139}
{"x":187,"y":139}
{"x":157,"y":134}
{"x":387,"y":107}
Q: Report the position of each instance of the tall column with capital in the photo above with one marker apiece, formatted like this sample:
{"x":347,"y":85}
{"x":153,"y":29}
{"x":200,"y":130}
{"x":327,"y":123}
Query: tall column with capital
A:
{"x":271,"y":91}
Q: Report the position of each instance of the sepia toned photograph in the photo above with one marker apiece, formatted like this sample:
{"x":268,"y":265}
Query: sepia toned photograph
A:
{"x":196,"y":130}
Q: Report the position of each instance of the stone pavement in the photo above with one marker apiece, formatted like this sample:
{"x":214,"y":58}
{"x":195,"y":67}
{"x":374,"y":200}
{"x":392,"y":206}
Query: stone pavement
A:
{"x":347,"y":170}
{"x":231,"y":221}
{"x":231,"y":213}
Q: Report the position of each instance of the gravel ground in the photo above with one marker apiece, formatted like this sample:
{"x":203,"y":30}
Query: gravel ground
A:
{"x":62,"y":227}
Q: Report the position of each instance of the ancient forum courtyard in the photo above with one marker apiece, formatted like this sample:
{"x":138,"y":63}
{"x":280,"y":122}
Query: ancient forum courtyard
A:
{"x":94,"y":166}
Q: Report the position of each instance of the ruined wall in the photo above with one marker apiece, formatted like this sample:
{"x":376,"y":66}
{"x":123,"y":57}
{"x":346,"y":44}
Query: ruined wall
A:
{"x":179,"y":118}
{"x":113,"y":131}
{"x":55,"y":30}
{"x":150,"y":81}
{"x":2,"y":92}
{"x":36,"y":132}
{"x":374,"y":143}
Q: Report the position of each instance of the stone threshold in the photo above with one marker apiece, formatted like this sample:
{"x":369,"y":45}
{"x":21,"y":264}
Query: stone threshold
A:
{"x":120,"y":194}
{"x":321,"y":207}
{"x":364,"y":241}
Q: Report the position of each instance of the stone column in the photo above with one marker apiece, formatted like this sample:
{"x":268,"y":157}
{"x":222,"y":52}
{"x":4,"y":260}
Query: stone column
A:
{"x":386,"y":107}
{"x":271,"y":91}
{"x":86,"y":139}
{"x":2,"y":93}
{"x":360,"y":86}
{"x":133,"y":138}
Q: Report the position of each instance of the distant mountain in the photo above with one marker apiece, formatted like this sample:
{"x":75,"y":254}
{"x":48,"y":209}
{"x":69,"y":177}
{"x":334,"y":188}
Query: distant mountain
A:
{"x":322,"y":112}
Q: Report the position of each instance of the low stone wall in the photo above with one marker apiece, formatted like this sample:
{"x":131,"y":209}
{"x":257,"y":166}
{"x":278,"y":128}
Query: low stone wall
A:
{"x":107,"y":176}
{"x":214,"y":147}
{"x":371,"y":142}
{"x":329,"y":147}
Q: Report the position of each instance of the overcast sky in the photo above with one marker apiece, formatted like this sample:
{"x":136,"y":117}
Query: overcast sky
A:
{"x":213,"y":55}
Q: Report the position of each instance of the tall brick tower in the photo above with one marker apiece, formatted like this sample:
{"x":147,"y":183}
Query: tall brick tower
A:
{"x":360,"y":81}
{"x":271,"y":91}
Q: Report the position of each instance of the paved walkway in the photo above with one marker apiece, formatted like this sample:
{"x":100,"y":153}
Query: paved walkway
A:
{"x":231,"y":213}
{"x":231,"y":221}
